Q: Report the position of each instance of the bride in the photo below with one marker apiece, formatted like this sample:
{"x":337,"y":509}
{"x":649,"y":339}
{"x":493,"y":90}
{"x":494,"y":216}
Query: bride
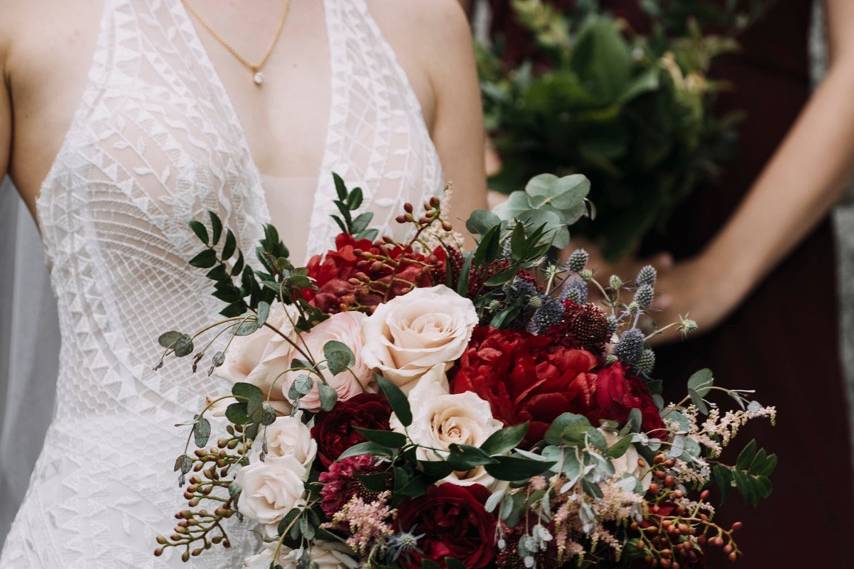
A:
{"x":121,"y":120}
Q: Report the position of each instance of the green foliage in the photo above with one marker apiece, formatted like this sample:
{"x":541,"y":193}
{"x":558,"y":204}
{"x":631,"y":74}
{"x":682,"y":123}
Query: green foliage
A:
{"x":751,"y":474}
{"x":349,"y":201}
{"x":633,"y":112}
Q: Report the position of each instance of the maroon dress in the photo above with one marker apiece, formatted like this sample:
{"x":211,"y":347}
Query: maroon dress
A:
{"x":783,"y":340}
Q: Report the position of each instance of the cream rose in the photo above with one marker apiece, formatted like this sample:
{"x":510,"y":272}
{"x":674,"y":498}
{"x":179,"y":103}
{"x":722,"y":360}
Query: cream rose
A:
{"x":288,"y":436}
{"x":345,"y":327}
{"x":411,"y":333}
{"x":440,"y":419}
{"x":630,"y":464}
{"x":262,"y":357}
{"x":270,"y":489}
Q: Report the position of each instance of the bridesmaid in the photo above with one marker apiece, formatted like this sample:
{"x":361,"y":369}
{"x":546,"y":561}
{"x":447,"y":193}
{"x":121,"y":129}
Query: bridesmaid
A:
{"x":757,"y":256}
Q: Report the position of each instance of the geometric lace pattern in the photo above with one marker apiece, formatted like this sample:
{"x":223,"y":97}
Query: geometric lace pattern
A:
{"x":154,"y":143}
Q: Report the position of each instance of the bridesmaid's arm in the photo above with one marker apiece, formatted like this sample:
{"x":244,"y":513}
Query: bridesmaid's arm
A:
{"x":5,"y":116}
{"x":457,"y":129}
{"x":805,"y":178}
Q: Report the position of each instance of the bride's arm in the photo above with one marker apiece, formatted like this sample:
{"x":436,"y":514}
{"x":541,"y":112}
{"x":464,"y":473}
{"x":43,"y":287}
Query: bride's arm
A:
{"x":804,"y":179}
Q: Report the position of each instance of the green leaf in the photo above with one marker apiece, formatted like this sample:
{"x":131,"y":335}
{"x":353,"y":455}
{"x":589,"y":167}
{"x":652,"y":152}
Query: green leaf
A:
{"x":591,"y":489}
{"x":504,"y":440}
{"x":366,"y":447}
{"x":201,"y":232}
{"x":620,"y":447}
{"x":489,"y":247}
{"x":251,"y":394}
{"x":514,"y":468}
{"x":338,"y":356}
{"x":236,"y":413}
{"x":481,"y":221}
{"x":745,"y":457}
{"x":465,"y":273}
{"x":184,"y":464}
{"x":565,"y":193}
{"x":388,"y":439}
{"x":204,"y":260}
{"x":216,"y":227}
{"x":396,"y":398}
{"x":361,"y":222}
{"x":452,"y":563}
{"x":701,"y":382}
{"x":435,"y":469}
{"x":568,"y":429}
{"x":602,"y":59}
{"x":354,"y":200}
{"x":698,"y":402}
{"x":340,"y":186}
{"x":515,"y":204}
{"x":723,"y":479}
{"x":201,"y":432}
{"x":263,"y":313}
{"x":288,"y":520}
{"x":234,"y":309}
{"x":466,"y":457}
{"x":230,"y":245}
{"x":168,"y":339}
{"x":328,"y":396}
{"x":502,"y":278}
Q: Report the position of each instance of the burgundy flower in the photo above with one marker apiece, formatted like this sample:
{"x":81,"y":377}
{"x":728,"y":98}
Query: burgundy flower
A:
{"x":335,"y":430}
{"x":617,"y":393}
{"x":453,"y":523}
{"x":526,"y":377}
{"x":358,"y":274}
{"x":341,"y":482}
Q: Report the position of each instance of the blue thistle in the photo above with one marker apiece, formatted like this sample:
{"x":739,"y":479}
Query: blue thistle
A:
{"x":646,"y":363}
{"x":644,"y":295}
{"x":403,"y":544}
{"x":578,"y":260}
{"x":575,"y":289}
{"x":630,"y":347}
{"x":546,"y":316}
{"x":646,"y":276}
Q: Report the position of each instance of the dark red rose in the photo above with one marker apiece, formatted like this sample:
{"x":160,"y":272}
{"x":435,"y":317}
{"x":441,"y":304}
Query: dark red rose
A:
{"x":334,"y":430}
{"x":454,"y":524}
{"x":526,"y":377}
{"x":341,"y":482}
{"x":617,"y":393}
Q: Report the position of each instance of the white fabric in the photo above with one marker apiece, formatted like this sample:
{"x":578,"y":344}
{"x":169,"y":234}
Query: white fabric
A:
{"x":29,"y":349}
{"x":154,"y":144}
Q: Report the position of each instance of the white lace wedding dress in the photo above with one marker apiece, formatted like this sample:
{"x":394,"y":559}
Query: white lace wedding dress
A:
{"x":155,"y":143}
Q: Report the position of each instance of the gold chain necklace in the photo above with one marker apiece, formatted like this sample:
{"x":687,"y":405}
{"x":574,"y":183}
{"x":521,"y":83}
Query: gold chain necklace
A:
{"x":254,"y":68}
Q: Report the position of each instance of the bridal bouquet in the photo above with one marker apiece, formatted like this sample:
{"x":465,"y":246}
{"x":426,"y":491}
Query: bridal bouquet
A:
{"x":631,"y":108}
{"x":410,"y":404}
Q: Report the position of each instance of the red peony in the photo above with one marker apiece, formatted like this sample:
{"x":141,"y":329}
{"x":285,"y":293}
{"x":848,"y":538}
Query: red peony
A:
{"x":617,"y":393}
{"x":342,"y":482}
{"x":334,"y":430}
{"x":357,"y":274}
{"x":526,"y":377}
{"x":454,"y":524}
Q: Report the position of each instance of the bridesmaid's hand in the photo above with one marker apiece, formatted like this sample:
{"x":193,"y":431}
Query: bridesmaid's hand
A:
{"x":693,"y":289}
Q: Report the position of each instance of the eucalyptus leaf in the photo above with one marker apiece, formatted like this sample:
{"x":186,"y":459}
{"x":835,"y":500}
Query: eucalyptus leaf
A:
{"x":338,"y":356}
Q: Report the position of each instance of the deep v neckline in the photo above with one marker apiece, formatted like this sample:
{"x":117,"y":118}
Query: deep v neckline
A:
{"x":257,"y":187}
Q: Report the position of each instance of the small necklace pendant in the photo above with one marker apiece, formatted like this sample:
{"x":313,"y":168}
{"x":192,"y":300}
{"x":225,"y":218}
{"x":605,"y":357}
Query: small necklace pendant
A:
{"x":258,"y":78}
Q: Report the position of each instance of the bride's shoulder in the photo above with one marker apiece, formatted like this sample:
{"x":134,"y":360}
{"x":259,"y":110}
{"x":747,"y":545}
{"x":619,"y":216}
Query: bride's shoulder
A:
{"x":425,"y":19}
{"x":432,"y":40}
